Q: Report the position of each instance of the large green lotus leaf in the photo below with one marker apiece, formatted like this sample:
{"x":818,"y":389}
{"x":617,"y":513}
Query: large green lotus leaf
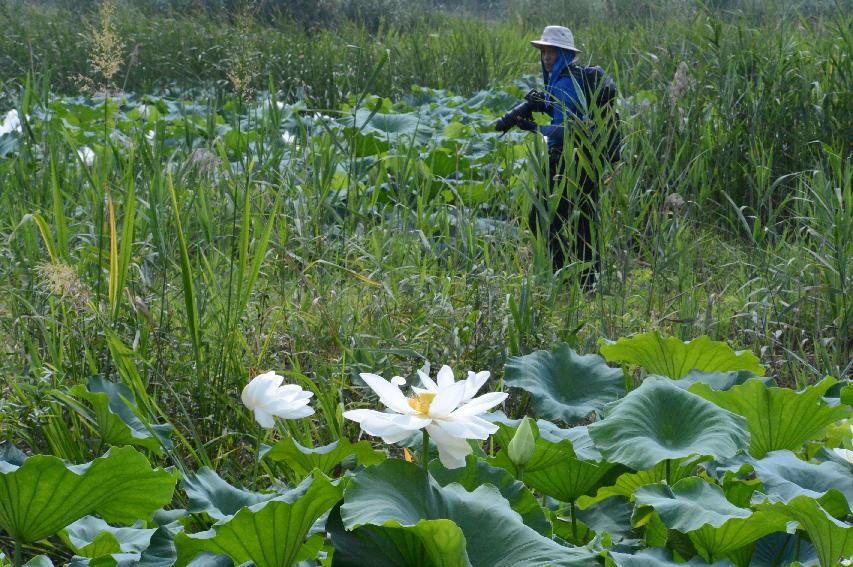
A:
{"x":44,"y":495}
{"x":93,"y":537}
{"x":373,"y":133}
{"x":549,"y":450}
{"x":628,"y":483}
{"x":687,"y":505}
{"x":846,"y":394}
{"x":784,"y":477}
{"x":565,"y":385}
{"x":555,"y":468}
{"x":780,"y":548}
{"x":660,"y":421}
{"x":303,"y":460}
{"x":209,"y":494}
{"x":161,"y":552}
{"x":674,"y":358}
{"x":612,"y":515}
{"x":654,"y":558}
{"x":397,"y":494}
{"x":581,"y":442}
{"x":832,"y":539}
{"x":11,"y":454}
{"x":566,"y":479}
{"x":269,"y":533}
{"x":715,"y":525}
{"x":429,"y":543}
{"x":778,"y":418}
{"x":715,"y":543}
{"x":717,"y":380}
{"x":118,"y":424}
{"x":477,"y":473}
{"x":445,"y":162}
{"x":39,"y":561}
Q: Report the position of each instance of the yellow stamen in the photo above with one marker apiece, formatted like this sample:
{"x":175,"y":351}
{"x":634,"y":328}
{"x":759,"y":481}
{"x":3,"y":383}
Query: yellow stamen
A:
{"x":421,"y":402}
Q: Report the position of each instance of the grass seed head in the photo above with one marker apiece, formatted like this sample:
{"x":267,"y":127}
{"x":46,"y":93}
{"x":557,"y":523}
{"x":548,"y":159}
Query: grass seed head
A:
{"x":61,"y":280}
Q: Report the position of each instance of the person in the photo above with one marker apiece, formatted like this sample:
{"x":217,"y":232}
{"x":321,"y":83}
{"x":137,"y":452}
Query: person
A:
{"x":571,"y":92}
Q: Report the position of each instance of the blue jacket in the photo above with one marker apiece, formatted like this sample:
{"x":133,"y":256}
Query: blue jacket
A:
{"x":562,"y":101}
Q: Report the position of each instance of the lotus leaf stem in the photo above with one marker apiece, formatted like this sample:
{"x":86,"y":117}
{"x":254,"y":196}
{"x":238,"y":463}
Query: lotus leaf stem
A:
{"x":425,"y":452}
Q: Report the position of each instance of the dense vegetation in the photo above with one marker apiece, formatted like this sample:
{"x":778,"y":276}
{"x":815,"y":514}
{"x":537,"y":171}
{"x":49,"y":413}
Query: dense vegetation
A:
{"x":198,"y":194}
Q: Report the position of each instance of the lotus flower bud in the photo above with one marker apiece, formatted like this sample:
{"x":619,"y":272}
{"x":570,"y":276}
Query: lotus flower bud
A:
{"x":523,"y":444}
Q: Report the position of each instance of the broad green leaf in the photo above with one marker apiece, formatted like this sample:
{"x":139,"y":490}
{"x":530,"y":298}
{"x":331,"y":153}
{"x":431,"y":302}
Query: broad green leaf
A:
{"x":429,"y":543}
{"x":717,"y":380}
{"x":654,"y":558}
{"x":687,"y":505}
{"x":93,"y":537}
{"x":780,"y":548}
{"x":11,"y":454}
{"x":674,"y":358}
{"x":117,"y":423}
{"x":269,"y":533}
{"x":612,"y":515}
{"x":716,"y":543}
{"x":832,"y":539}
{"x":784,"y":477}
{"x":555,"y":469}
{"x":565,"y":385}
{"x":398,"y":495}
{"x":303,"y":460}
{"x":846,"y":395}
{"x":476,"y":473}
{"x":714,"y":525}
{"x":628,"y":483}
{"x":374,"y":133}
{"x":778,"y":418}
{"x":579,"y":442}
{"x":577,"y":533}
{"x":44,"y":495}
{"x":39,"y":561}
{"x":209,"y":494}
{"x":660,"y":421}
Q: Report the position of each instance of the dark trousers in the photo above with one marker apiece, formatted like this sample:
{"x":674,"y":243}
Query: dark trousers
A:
{"x":579,"y":193}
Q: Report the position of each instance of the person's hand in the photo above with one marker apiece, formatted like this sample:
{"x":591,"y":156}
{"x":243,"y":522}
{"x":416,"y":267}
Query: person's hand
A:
{"x":526,"y":124}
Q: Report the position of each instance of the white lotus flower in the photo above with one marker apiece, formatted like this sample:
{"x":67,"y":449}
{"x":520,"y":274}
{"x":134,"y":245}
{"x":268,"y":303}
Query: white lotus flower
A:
{"x":12,"y":123}
{"x":265,"y":396}
{"x":86,"y":154}
{"x":447,"y":409}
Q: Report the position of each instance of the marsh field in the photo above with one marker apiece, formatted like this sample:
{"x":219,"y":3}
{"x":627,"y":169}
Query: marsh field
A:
{"x":269,"y":296}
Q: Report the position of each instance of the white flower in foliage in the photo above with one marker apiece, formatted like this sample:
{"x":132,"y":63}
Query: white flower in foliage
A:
{"x":266,"y":396}
{"x":87,"y":155}
{"x":446,"y":408}
{"x":11,"y":123}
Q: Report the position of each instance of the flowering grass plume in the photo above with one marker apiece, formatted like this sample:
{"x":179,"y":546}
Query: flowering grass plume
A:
{"x":268,"y":398}
{"x":447,"y":409}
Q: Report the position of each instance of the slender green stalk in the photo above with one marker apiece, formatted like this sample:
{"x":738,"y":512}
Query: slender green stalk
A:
{"x":574,"y":524}
{"x":425,"y":451}
{"x":258,"y":433}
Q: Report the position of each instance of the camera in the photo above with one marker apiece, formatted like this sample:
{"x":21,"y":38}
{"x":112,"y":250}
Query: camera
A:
{"x":534,"y":101}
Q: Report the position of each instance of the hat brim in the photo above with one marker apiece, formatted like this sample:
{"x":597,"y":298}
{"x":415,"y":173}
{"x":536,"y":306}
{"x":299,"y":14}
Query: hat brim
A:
{"x":539,"y":44}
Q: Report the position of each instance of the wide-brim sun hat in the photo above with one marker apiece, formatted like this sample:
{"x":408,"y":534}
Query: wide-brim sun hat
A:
{"x":557,"y":36}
